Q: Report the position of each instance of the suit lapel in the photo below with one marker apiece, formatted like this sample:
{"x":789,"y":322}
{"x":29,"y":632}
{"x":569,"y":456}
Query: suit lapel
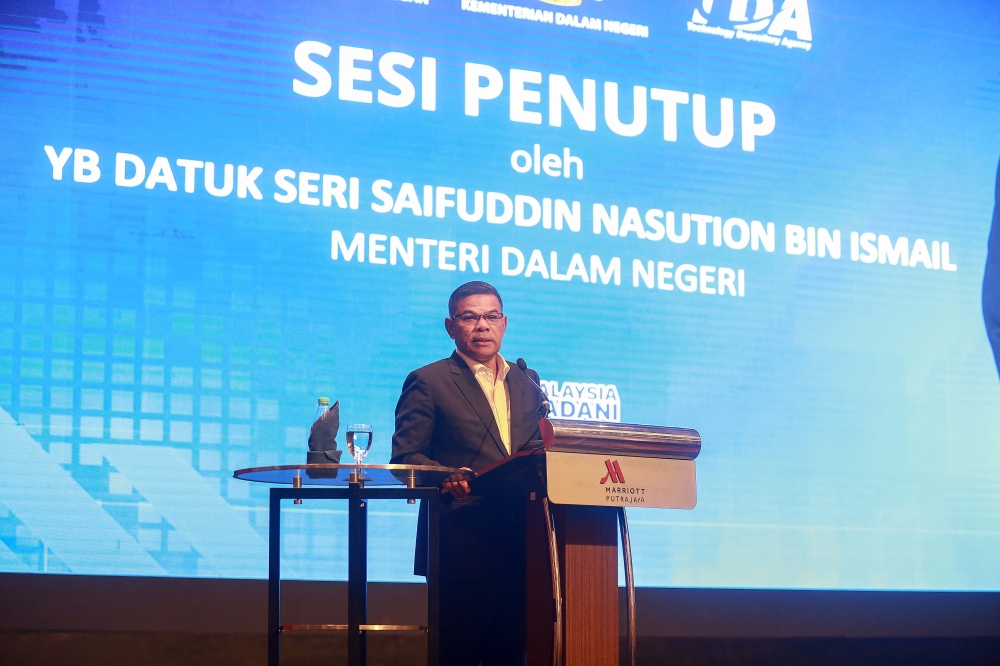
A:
{"x":473,"y":392}
{"x":521,"y":396}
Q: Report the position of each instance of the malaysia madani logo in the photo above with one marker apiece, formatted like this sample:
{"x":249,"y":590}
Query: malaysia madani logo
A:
{"x":614,"y":472}
{"x":583,"y":401}
{"x":788,"y":27}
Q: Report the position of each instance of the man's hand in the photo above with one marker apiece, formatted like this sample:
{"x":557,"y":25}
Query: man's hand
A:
{"x":457,"y":486}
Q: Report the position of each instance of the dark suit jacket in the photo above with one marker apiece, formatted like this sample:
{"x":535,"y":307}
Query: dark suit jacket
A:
{"x":443,"y":418}
{"x":991,"y":280}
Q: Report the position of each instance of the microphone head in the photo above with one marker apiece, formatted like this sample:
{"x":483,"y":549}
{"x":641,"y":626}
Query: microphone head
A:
{"x":521,"y":364}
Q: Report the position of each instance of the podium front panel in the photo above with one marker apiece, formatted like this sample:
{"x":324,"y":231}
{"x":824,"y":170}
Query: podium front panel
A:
{"x":601,"y":480}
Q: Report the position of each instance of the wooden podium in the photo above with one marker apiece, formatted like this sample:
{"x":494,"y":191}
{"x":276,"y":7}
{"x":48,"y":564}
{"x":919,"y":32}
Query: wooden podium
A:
{"x":578,"y":482}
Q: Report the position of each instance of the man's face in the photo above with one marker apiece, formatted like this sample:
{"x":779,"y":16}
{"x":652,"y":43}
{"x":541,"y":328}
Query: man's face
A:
{"x":477,"y":339}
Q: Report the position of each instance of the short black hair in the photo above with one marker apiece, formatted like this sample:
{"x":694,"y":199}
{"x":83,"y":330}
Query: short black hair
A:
{"x":473,"y":288}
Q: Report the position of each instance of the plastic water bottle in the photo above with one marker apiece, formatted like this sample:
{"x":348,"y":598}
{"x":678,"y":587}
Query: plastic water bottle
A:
{"x":322,"y":407}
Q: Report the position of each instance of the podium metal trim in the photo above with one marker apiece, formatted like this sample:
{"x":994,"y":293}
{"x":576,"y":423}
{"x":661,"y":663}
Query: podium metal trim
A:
{"x":557,"y":626}
{"x":629,"y":586}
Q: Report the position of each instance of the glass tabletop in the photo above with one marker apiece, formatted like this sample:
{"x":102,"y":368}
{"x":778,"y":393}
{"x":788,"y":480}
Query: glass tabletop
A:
{"x":341,"y":475}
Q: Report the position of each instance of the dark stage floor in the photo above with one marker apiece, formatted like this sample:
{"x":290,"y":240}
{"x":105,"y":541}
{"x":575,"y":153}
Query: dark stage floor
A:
{"x":97,"y":648}
{"x":63,"y":620}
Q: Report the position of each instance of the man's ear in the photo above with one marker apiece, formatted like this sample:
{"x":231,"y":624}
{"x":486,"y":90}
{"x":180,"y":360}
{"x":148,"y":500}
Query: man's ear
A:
{"x":448,"y":323}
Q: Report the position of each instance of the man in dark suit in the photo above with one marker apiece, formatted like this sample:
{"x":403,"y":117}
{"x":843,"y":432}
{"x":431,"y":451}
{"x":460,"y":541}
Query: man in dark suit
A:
{"x":991,"y":280}
{"x":471,"y":410}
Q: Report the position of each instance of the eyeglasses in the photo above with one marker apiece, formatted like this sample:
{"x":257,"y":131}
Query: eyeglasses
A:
{"x":468,"y":319}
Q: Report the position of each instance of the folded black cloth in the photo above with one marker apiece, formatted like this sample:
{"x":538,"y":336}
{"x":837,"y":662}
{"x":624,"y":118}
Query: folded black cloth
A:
{"x":323,"y":438}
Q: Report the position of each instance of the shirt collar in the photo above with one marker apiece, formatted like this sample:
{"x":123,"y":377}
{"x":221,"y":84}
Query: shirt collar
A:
{"x":478,"y":367}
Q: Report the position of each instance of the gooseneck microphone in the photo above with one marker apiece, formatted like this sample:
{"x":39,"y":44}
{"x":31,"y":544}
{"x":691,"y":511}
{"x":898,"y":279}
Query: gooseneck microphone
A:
{"x":546,"y":406}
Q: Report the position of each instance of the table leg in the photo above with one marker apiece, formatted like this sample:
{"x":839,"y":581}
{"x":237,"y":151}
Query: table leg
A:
{"x":357,"y":576}
{"x":274,"y":581}
{"x":433,"y":582}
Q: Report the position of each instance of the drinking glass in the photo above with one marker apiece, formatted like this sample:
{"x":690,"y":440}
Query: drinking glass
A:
{"x":359,"y":440}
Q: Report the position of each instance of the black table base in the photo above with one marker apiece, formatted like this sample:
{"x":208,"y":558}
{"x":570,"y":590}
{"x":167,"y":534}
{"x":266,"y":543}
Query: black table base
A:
{"x":357,"y":626}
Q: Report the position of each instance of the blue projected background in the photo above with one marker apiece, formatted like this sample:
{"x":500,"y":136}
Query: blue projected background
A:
{"x":764,"y":220}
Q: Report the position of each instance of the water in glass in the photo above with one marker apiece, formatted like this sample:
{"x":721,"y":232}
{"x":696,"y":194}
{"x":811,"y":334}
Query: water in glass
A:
{"x":359,"y":440}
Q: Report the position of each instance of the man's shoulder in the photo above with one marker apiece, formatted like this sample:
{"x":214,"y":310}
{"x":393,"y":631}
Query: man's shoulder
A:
{"x":436,"y":370}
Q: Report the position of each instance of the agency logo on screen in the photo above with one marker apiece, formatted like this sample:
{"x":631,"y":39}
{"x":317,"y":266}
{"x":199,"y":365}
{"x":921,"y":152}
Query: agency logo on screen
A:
{"x":788,"y":27}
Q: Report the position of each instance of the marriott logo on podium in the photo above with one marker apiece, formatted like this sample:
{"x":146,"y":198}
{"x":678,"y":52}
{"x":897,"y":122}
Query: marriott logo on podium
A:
{"x":617,"y":492}
{"x":614,"y":472}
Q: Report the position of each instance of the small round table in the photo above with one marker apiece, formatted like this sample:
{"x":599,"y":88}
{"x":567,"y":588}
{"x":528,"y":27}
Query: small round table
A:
{"x":357,"y":484}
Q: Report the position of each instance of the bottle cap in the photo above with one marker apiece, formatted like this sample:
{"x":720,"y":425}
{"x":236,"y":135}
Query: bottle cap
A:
{"x":324,"y":401}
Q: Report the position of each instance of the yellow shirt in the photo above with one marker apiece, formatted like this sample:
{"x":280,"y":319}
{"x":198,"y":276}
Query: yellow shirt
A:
{"x":496,"y":393}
